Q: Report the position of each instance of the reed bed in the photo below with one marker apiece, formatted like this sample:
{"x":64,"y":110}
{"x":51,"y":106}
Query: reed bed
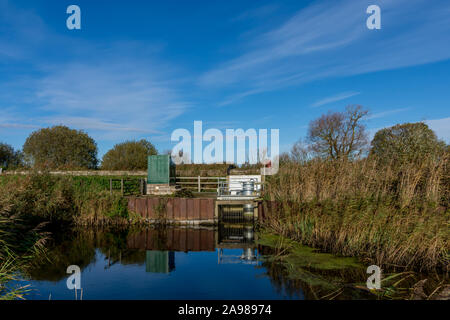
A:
{"x":61,"y":199}
{"x":20,"y":245}
{"x":29,"y":202}
{"x":393,"y":215}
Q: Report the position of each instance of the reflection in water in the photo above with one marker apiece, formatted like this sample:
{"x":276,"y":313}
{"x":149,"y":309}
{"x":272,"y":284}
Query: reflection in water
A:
{"x":172,"y":263}
{"x":159,"y":261}
{"x":172,"y":239}
{"x":237,"y":236}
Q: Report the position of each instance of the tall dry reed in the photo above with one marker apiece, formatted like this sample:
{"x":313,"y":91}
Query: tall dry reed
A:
{"x":391,"y":215}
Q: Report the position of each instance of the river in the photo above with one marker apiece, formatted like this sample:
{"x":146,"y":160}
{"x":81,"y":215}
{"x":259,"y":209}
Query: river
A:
{"x":226,"y":262}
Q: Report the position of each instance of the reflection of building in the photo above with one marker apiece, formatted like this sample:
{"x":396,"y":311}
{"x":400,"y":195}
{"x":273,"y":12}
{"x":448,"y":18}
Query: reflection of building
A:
{"x":159,"y":261}
{"x":249,"y":256}
{"x":237,"y":236}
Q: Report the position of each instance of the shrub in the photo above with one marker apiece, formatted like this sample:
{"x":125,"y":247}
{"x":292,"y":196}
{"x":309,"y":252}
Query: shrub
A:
{"x":129,"y":155}
{"x":60,"y":147}
{"x":405,"y":143}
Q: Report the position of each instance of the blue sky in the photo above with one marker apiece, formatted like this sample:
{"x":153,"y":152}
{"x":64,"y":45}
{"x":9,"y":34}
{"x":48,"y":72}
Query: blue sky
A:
{"x":141,"y":69}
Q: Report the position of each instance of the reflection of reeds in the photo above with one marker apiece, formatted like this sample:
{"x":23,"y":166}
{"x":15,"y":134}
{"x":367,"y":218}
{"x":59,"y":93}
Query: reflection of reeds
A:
{"x":411,"y":285}
{"x":390,"y":215}
{"x":18,"y":245}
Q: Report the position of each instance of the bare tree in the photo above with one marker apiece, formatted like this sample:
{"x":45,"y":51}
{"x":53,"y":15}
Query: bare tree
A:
{"x":299,"y":152}
{"x":338,"y":135}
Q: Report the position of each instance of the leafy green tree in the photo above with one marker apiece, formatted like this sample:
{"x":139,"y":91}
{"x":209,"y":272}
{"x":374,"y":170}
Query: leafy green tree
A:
{"x":60,"y":147}
{"x":9,"y":158}
{"x":406,"y":142}
{"x":128,"y":155}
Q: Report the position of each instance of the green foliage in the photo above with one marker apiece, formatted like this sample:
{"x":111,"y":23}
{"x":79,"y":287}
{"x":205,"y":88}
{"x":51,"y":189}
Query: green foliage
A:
{"x":183,"y":193}
{"x":19,"y":244}
{"x":131,"y":185}
{"x":406,"y":142}
{"x":302,"y":256}
{"x":60,"y":147}
{"x":119,"y":208}
{"x":48,"y":198}
{"x":36,"y":198}
{"x":10,"y":158}
{"x":129,"y":155}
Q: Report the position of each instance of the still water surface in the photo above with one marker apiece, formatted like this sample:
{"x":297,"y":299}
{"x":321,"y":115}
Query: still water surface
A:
{"x":168,"y":263}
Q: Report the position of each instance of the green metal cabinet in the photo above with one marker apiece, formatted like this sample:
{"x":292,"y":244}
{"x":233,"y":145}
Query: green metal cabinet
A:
{"x":161,"y":169}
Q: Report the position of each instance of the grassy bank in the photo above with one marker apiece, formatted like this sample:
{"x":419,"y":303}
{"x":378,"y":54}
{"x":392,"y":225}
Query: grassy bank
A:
{"x":29,"y":202}
{"x":63,"y":199}
{"x":395,"y":216}
{"x":292,"y":267}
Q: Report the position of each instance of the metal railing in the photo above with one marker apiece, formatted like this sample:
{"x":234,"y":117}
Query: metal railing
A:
{"x":221,"y":185}
{"x":226,"y":188}
{"x":128,"y":186}
{"x":200,"y":184}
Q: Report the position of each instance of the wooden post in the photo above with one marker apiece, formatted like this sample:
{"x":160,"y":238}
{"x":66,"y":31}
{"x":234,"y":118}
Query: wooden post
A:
{"x":199,"y":186}
{"x":121,"y":186}
{"x":141,"y":186}
{"x":110,"y":186}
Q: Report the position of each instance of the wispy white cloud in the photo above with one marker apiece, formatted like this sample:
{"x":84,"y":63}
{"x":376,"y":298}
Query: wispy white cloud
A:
{"x":18,"y":126}
{"x":385,"y":113}
{"x":330,"y":39}
{"x":233,"y":98}
{"x":110,"y":96}
{"x":116,"y":90}
{"x":95,"y":124}
{"x":335,"y":98}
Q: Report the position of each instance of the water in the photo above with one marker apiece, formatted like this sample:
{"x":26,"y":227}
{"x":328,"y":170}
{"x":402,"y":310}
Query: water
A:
{"x":168,"y":263}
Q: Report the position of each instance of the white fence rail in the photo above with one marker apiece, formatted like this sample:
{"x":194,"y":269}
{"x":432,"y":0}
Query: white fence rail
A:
{"x":200,"y":184}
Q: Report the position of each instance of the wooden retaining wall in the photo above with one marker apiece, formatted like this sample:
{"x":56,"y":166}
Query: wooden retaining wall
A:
{"x":173,"y":209}
{"x":178,"y":239}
